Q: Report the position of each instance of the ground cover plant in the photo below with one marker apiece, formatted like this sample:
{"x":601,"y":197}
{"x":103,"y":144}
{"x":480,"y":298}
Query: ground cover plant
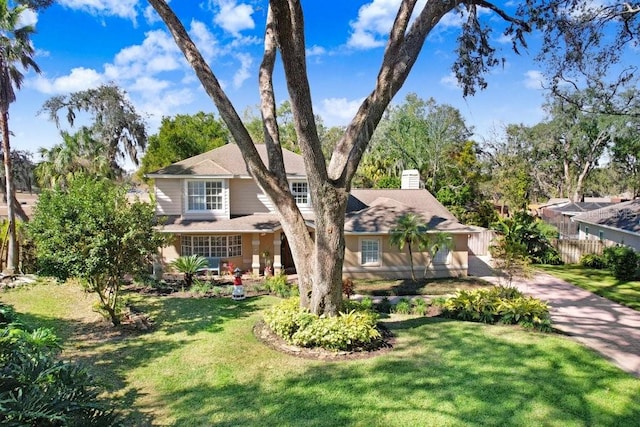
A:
{"x":405,"y":287}
{"x":202,"y":365}
{"x":501,"y":304}
{"x":599,"y":281}
{"x":36,"y":388}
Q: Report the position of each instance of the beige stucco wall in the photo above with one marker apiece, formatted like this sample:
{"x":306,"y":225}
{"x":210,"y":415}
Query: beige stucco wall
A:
{"x":251,"y":253}
{"x":395,"y":263}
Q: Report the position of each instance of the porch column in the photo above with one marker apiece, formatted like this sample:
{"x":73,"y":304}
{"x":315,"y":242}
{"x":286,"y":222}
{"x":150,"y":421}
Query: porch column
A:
{"x":255,"y":255}
{"x":277,"y":262}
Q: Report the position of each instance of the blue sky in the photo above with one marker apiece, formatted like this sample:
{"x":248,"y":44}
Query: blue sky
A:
{"x":83,"y":43}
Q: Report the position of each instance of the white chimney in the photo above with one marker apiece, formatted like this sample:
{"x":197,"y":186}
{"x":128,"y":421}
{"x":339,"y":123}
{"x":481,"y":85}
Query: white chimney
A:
{"x":410,"y":179}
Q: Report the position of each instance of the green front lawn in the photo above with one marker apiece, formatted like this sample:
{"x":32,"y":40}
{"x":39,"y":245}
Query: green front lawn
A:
{"x":600,"y":282}
{"x":202,"y":365}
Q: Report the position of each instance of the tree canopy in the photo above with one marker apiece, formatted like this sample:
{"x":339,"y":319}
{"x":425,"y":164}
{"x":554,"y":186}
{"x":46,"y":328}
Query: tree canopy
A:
{"x":91,"y":231}
{"x":115,"y":122}
{"x":181,"y":137}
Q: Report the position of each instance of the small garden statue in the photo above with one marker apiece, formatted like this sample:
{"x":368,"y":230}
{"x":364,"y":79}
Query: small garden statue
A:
{"x":238,"y":288}
{"x":268,"y":271}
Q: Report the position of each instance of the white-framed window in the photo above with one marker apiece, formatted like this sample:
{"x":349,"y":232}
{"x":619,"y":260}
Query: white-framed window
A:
{"x":300,"y":192}
{"x":443,"y":256}
{"x":205,"y":196}
{"x":212,"y":246}
{"x":601,"y":235}
{"x":370,"y":251}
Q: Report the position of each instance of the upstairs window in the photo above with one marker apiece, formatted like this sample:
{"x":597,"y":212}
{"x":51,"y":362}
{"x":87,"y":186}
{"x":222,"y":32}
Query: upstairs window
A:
{"x":205,"y":196}
{"x":300,"y":192}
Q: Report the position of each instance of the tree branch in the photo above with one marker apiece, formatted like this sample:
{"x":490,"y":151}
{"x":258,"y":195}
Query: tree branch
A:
{"x":268,"y":103}
{"x":289,"y":32}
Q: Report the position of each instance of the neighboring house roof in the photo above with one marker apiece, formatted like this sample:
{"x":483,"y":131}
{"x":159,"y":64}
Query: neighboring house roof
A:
{"x":378,"y":211}
{"x":623,"y":216}
{"x":226,"y":161}
{"x":580,"y":207}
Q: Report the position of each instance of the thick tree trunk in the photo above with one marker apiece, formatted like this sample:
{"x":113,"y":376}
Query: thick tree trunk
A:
{"x":326,"y":294}
{"x":12,"y":258}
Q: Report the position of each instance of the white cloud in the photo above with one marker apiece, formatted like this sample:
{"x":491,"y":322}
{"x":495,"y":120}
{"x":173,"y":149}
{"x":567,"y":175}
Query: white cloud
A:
{"x":316,"y":50}
{"x":450,"y":81}
{"x":28,"y":17}
{"x":373,"y":24}
{"x":234,"y":17}
{"x":204,"y":39}
{"x":120,"y":8}
{"x":243,"y":72}
{"x":339,"y":111}
{"x":78,"y":79}
{"x":534,"y":79}
{"x":375,"y":19}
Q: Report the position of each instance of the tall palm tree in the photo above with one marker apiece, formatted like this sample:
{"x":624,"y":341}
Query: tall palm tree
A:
{"x":410,"y":230}
{"x":78,"y":154}
{"x":15,"y":47}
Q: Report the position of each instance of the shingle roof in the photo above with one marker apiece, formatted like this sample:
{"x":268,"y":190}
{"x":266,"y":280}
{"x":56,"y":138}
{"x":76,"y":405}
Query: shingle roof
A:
{"x":227,"y":161}
{"x":378,"y":211}
{"x":579,"y":207}
{"x":244,"y":224}
{"x":624,"y":216}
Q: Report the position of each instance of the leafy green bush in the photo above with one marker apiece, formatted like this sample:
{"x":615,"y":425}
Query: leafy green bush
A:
{"x":593,"y":261}
{"x":279,"y":286}
{"x":38,"y":389}
{"x":367,"y":303}
{"x":384,"y":306}
{"x":7,"y":314}
{"x":403,"y":306}
{"x":200,"y":287}
{"x":622,"y":261}
{"x":500,"y":304}
{"x":350,"y":330}
{"x":419,"y":306}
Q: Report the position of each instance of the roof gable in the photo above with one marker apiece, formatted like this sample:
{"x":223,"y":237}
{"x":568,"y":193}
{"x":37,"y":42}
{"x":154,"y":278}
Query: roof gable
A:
{"x":227,"y":161}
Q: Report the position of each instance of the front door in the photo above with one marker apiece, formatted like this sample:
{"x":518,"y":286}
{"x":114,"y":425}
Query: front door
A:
{"x":288,"y":266}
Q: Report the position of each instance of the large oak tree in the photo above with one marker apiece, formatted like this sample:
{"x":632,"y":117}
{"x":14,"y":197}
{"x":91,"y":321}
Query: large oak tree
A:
{"x":319,"y":261}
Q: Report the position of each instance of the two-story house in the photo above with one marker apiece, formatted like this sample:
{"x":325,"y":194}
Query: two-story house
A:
{"x":214,"y":208}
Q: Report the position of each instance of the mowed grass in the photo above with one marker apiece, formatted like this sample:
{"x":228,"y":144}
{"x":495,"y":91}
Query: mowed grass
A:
{"x":404,"y":287}
{"x":202,"y":366}
{"x":600,"y":282}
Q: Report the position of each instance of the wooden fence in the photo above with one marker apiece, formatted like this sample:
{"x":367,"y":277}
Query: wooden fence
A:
{"x":479,"y":242}
{"x":571,"y":250}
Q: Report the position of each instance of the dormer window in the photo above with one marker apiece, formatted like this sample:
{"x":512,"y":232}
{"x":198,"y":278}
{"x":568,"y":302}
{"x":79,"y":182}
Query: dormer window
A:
{"x":205,"y":196}
{"x":300,"y":192}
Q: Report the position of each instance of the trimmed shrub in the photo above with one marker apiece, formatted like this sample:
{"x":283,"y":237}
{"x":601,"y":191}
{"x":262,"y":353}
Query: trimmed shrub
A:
{"x":500,"y":304}
{"x":348,"y":331}
{"x":593,"y":261}
{"x":622,"y":261}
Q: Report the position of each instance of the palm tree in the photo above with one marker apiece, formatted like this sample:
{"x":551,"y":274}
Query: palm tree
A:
{"x":15,"y":47}
{"x":78,"y":154}
{"x":410,"y":230}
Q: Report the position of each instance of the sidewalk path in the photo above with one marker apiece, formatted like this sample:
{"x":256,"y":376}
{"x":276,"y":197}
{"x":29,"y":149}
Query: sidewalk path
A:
{"x":611,"y":329}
